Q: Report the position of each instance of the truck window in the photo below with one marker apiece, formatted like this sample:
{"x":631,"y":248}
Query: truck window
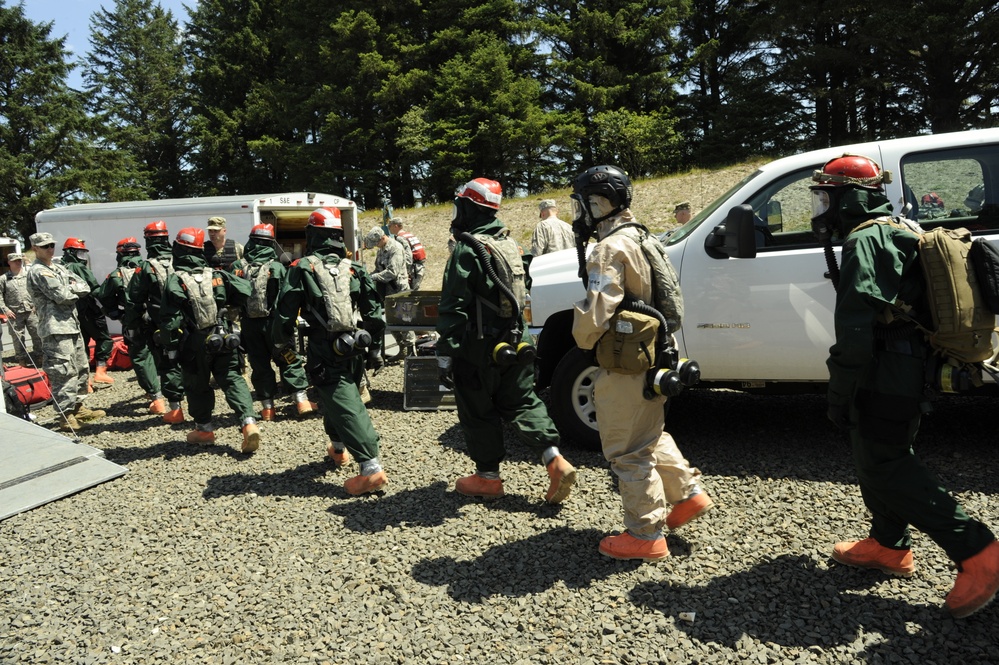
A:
{"x":953,"y":187}
{"x":784,"y":211}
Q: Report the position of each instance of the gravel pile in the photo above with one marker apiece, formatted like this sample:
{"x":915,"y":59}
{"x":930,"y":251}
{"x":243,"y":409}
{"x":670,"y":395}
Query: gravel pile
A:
{"x":205,"y":555}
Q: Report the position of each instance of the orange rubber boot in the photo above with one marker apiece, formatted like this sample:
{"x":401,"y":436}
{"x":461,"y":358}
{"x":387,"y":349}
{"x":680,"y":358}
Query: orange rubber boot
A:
{"x":101,"y":375}
{"x":251,"y":438}
{"x":267,"y":414}
{"x":477,"y":486}
{"x":562,"y":476}
{"x":366,"y":484}
{"x":306,"y":407}
{"x":341,"y":458}
{"x":688,"y":510}
{"x":174,"y":416}
{"x":976,"y":584}
{"x":201,"y":437}
{"x":869,"y":553}
{"x":626,"y":546}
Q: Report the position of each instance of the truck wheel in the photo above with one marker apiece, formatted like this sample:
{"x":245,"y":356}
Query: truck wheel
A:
{"x":572,"y":400}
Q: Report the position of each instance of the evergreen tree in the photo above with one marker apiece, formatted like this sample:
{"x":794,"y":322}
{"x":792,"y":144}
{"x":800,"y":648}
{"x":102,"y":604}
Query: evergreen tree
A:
{"x":136,"y":89}
{"x":43,"y":149}
{"x":610,"y":56}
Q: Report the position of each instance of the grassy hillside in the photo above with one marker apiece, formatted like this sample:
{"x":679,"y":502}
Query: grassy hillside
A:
{"x":653,"y":205}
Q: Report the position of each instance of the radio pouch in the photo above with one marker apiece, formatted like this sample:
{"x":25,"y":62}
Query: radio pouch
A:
{"x":629,"y":345}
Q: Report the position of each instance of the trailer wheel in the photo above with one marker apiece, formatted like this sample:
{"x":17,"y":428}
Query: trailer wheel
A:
{"x":572,"y":400}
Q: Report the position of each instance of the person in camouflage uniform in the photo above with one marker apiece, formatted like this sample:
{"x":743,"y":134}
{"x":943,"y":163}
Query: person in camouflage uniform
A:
{"x":141,"y":317}
{"x":93,"y":325}
{"x":196,"y":334}
{"x":112,"y":296}
{"x":316,"y":286}
{"x":55,"y":291}
{"x":262,"y":269}
{"x":390,"y":277}
{"x":22,"y":320}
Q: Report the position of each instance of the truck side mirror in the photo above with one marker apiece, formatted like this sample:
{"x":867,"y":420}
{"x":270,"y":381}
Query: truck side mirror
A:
{"x":735,"y":238}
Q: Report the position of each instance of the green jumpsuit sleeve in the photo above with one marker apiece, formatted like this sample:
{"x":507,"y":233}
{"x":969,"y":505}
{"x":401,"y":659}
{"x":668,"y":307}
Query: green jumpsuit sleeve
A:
{"x":291,"y":297}
{"x":873,"y":262}
{"x":172,"y":314}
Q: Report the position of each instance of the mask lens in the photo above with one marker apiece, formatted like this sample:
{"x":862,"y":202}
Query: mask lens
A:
{"x":454,"y":211}
{"x":820,"y":202}
{"x":578,"y":208}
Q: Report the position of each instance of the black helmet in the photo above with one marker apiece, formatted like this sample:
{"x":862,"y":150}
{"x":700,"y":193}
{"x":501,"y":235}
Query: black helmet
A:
{"x":610,"y":182}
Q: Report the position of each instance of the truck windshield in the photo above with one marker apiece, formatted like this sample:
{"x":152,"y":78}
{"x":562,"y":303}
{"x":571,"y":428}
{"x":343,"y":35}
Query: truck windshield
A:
{"x":676,"y":235}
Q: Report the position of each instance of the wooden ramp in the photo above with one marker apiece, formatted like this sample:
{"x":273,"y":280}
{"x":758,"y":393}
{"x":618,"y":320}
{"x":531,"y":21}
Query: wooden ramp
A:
{"x":38,"y":466}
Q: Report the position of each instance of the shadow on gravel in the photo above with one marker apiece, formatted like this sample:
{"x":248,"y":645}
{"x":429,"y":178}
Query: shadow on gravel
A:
{"x":168,"y":450}
{"x":790,"y":602}
{"x":789,"y":436}
{"x":427,"y":506}
{"x":303,"y":481}
{"x":528,"y":566}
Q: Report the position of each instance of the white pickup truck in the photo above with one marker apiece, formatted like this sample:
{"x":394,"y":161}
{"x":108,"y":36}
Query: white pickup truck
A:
{"x":758,"y":307}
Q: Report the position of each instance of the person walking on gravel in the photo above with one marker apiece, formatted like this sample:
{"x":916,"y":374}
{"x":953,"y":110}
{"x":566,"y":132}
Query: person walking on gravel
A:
{"x":877,"y":375}
{"x":485,"y":349}
{"x":197,"y":335}
{"x":652,"y":473}
{"x":331,"y":292}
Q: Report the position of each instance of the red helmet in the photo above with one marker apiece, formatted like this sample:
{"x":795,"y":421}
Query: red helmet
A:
{"x":482,"y":191}
{"x":156,"y":229}
{"x":74,"y":243}
{"x":326,"y":218}
{"x":127,"y":244}
{"x":852,"y":170}
{"x":191,"y":237}
{"x":263,"y":232}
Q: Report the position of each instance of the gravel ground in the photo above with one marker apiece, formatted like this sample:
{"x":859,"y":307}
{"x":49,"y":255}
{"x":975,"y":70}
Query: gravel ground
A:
{"x":205,"y":555}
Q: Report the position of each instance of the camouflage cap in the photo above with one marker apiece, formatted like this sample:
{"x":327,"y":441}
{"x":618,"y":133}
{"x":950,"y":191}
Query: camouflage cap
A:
{"x":685,"y":205}
{"x":15,"y":256}
{"x":216,"y":223}
{"x":42,"y":238}
{"x":373,"y":236}
{"x":546,"y":204}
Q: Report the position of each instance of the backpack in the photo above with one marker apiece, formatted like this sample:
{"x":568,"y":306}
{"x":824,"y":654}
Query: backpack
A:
{"x":962,"y":321}
{"x":333,"y":280}
{"x":509,"y":267}
{"x":201,"y":295}
{"x":666,"y":294}
{"x":258,"y":274}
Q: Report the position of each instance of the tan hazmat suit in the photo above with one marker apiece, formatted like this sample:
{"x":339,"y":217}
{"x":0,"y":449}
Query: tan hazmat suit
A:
{"x":651,"y":470}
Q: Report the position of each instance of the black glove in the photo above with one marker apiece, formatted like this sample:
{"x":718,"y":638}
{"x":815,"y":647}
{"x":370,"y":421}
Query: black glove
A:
{"x":839,"y":414}
{"x":374,"y":361}
{"x":445,"y":374}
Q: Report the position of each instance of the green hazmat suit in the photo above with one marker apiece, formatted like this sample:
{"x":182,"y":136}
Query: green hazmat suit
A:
{"x":93,"y":325}
{"x":182,"y":337}
{"x":112,"y":296}
{"x":335,"y":377}
{"x":141,"y":318}
{"x":486,"y":394}
{"x":258,"y":341}
{"x":878,"y":379}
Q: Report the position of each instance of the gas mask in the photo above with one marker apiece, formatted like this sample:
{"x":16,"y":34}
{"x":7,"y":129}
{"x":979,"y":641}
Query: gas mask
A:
{"x":825,"y":221}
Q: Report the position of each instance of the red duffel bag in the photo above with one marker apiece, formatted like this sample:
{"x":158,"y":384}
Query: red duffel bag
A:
{"x":32,"y":385}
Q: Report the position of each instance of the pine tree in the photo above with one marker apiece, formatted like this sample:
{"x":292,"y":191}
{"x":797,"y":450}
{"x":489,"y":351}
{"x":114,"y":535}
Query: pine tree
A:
{"x":43,"y":148}
{"x":136,"y":89}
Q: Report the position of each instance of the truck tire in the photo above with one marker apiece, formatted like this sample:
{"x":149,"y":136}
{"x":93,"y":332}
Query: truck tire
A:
{"x":571,"y":400}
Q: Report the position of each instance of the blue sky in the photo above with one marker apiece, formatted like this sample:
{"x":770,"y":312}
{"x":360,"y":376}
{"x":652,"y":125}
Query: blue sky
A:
{"x":72,"y":19}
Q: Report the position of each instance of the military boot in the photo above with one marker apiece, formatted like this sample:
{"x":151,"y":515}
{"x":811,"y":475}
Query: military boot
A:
{"x":83,"y":413}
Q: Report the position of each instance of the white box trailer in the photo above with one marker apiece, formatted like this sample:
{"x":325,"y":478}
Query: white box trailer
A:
{"x":7,"y":246}
{"x":102,"y":225}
